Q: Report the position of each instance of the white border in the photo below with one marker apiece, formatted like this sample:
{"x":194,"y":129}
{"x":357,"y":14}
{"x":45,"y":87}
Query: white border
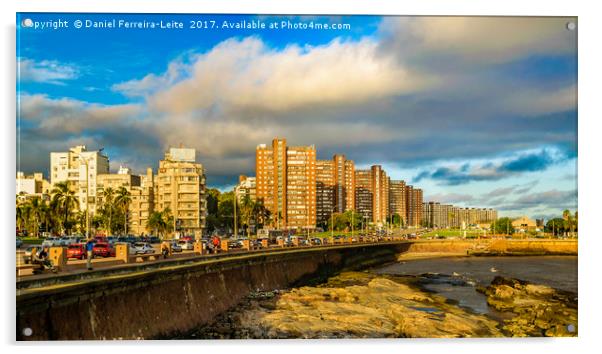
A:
{"x":589,"y":164}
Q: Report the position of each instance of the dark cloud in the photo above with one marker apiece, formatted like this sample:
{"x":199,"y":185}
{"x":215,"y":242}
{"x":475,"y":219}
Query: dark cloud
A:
{"x":526,"y":162}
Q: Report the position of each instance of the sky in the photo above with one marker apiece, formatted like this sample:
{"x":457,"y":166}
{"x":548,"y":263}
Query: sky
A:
{"x":476,"y":111}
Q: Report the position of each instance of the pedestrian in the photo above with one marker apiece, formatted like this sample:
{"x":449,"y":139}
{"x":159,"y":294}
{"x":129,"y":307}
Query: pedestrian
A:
{"x":89,"y":253}
{"x":215,"y":243}
{"x":164,"y":249}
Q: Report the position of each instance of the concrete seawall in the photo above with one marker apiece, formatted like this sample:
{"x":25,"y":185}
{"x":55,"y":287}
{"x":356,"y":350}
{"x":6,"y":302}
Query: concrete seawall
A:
{"x":177,"y":297}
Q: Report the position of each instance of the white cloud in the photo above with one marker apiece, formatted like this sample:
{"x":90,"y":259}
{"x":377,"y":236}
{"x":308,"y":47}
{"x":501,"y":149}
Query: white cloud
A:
{"x":248,"y":74}
{"x":46,"y":71}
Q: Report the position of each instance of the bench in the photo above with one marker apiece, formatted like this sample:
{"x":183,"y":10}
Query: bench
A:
{"x":22,"y":267}
{"x":144,"y":257}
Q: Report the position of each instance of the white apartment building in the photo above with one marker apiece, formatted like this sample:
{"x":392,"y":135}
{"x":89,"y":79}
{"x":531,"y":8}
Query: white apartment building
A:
{"x":70,"y":166}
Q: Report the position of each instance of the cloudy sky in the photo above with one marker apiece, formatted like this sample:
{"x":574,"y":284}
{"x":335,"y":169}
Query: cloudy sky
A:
{"x":476,"y":111}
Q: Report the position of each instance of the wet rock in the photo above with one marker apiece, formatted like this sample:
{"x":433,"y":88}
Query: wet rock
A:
{"x":540,"y":310}
{"x":356,"y":305}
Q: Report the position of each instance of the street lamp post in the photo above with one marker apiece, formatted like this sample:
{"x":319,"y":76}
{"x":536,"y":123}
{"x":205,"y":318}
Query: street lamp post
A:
{"x":352,"y":221}
{"x":82,"y":158}
{"x":235,"y":223}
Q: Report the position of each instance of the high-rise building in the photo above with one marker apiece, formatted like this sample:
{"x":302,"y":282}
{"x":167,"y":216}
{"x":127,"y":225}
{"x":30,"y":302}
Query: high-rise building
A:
{"x":325,"y":190}
{"x":414,"y":206}
{"x":180,"y":186}
{"x":344,"y":183}
{"x":364,"y":194}
{"x":372,"y":194}
{"x":71,"y":167}
{"x":286,"y":183}
{"x":397,"y":199}
{"x":335,"y":185}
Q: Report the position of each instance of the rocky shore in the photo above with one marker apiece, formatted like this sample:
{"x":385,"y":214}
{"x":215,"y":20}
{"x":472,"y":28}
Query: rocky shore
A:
{"x":539,"y":311}
{"x":351,"y":305}
{"x":367,"y":305}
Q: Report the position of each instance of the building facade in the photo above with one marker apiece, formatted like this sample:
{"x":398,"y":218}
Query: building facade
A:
{"x":180,"y":187}
{"x":286,"y":183}
{"x":397,"y":200}
{"x":414,"y":206}
{"x":325,"y":190}
{"x":30,"y":186}
{"x":246,"y":187}
{"x":372,"y":194}
{"x":71,"y":167}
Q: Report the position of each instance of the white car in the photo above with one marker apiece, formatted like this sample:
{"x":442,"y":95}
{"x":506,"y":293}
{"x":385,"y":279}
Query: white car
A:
{"x":51,"y":242}
{"x":186,"y":245}
{"x":142,"y":248}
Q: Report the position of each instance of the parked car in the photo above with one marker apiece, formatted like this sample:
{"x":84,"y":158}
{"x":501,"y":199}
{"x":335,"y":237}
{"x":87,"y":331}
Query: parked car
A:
{"x":186,"y":245}
{"x":27,"y":253}
{"x":154,"y":239}
{"x":77,"y":251}
{"x":19,"y":242}
{"x":175,"y":247}
{"x":51,"y":242}
{"x":316,"y":241}
{"x":111,"y":239}
{"x":142,"y":248}
{"x":103,"y":249}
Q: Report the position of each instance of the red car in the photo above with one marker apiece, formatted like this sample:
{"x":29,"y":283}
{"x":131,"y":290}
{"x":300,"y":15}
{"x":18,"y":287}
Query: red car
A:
{"x":102,"y":249}
{"x":77,"y":251}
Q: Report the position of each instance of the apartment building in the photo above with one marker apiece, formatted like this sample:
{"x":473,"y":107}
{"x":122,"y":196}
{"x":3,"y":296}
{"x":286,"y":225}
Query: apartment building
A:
{"x":30,"y":186}
{"x":142,"y":203}
{"x":372,"y":194}
{"x":414,"y":206}
{"x":141,"y":195}
{"x":180,"y":186}
{"x":325,"y":190}
{"x":335,"y":185}
{"x":246,"y":187}
{"x":397,"y":199}
{"x":286,"y":183}
{"x":364,"y":194}
{"x":448,"y":216}
{"x":71,"y":166}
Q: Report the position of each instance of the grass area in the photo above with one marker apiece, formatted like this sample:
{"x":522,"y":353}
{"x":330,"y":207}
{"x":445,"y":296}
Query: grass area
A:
{"x":32,"y":240}
{"x":454,"y":233}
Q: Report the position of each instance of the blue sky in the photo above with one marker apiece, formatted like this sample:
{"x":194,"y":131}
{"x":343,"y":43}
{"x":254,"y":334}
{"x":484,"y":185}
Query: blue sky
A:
{"x":476,"y":111}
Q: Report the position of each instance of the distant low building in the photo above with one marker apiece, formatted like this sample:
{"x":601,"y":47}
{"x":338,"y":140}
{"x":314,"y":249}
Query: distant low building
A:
{"x":524,"y":224}
{"x":29,"y":186}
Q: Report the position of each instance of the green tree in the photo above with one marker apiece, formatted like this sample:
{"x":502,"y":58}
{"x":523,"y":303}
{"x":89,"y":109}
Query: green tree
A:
{"x":64,"y":201}
{"x":108,"y":207}
{"x":556,"y":226}
{"x":503,"y":226}
{"x":122,"y":201}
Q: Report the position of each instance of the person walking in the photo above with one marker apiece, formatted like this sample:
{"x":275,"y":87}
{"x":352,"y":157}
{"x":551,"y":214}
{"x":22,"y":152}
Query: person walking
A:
{"x":89,"y":253}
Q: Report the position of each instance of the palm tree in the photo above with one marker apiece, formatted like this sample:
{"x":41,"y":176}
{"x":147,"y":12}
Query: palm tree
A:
{"x":65,"y":200}
{"x":123,"y":200}
{"x":108,"y":205}
{"x":36,"y":206}
{"x":160,"y":221}
{"x":246,"y":212}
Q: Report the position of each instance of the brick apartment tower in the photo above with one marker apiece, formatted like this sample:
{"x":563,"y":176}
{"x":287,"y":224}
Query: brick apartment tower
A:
{"x":286,"y":183}
{"x":397,"y":200}
{"x":414,"y":206}
{"x":335,"y":185}
{"x":372,"y":194}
